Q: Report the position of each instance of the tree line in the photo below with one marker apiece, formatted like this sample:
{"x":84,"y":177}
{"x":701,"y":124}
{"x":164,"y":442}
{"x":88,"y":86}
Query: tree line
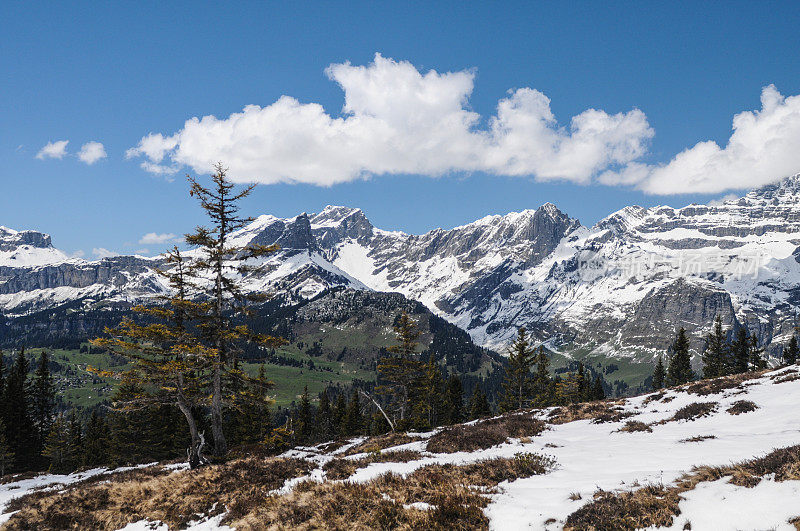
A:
{"x":726,"y":352}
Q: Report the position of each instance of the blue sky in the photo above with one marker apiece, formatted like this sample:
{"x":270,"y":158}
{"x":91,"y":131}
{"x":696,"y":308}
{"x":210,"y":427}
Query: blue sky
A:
{"x":114,"y":73}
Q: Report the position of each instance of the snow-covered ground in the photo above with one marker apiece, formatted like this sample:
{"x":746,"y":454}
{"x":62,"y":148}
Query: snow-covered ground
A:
{"x":592,"y":456}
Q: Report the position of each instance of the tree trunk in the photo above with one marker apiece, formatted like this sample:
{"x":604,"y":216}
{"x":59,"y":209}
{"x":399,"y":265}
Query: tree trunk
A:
{"x":220,"y":445}
{"x":193,"y":452}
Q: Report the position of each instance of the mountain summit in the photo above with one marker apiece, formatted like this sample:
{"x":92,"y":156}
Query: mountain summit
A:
{"x":619,"y":288}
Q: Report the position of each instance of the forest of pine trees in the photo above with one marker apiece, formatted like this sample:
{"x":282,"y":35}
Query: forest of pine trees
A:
{"x":726,"y":352}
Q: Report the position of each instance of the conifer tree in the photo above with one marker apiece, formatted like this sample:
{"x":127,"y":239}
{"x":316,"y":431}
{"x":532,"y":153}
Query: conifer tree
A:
{"x":453,"y":406}
{"x":353,"y":420}
{"x":218,"y":274}
{"x":740,"y":351}
{"x":170,"y":365}
{"x":59,"y":447}
{"x":715,"y":357}
{"x":478,"y":404}
{"x":518,"y":381}
{"x":304,"y":426}
{"x":659,"y":374}
{"x":569,"y":390}
{"x":95,"y":441}
{"x":430,"y":400}
{"x":43,"y":399}
{"x":6,"y":453}
{"x":791,"y":352}
{"x":543,"y":388}
{"x":20,"y":432}
{"x":400,"y":374}
{"x":339,"y":414}
{"x":2,"y":379}
{"x":252,"y":410}
{"x":679,"y":370}
{"x":757,"y":361}
{"x":324,"y":420}
{"x":598,"y":393}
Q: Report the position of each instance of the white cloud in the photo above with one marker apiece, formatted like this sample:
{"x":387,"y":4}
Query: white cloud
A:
{"x":91,"y":152}
{"x":142,"y":251}
{"x":101,"y":252}
{"x":77,"y":254}
{"x":53,"y":150}
{"x":151,"y":238}
{"x":397,"y":119}
{"x":763,"y":148}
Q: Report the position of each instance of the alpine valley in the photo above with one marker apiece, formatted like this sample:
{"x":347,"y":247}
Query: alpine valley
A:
{"x":613,"y":294}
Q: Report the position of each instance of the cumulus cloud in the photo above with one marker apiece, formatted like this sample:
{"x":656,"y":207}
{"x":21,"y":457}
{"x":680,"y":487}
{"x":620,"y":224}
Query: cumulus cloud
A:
{"x":53,"y":150}
{"x":763,"y":148}
{"x":102,"y":252}
{"x":397,"y":119}
{"x":152,"y":238}
{"x":91,"y":152}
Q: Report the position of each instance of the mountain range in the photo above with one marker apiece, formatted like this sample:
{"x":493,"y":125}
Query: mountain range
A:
{"x":615,"y":290}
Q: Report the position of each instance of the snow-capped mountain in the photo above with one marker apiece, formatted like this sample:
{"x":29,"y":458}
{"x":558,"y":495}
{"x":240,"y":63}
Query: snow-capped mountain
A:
{"x":621,"y":287}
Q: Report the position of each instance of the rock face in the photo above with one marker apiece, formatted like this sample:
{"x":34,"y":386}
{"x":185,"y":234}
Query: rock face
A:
{"x":620,"y":288}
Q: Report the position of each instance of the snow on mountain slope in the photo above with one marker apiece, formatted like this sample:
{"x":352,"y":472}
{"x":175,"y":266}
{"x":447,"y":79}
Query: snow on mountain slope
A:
{"x":619,"y":288}
{"x":27,"y":248}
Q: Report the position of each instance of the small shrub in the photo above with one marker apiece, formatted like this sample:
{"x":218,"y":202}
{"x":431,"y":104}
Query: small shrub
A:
{"x":634,"y":425}
{"x":484,"y":434}
{"x":382,"y":442}
{"x":652,"y":506}
{"x":742,"y":406}
{"x":698,"y":438}
{"x":694,"y":411}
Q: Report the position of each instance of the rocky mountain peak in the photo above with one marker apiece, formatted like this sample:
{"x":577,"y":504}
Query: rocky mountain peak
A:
{"x":11,"y":239}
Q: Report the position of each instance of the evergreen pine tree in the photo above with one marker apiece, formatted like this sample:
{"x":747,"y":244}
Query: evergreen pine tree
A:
{"x":6,"y":454}
{"x":95,"y":441}
{"x":518,"y":381}
{"x":43,"y":399}
{"x":757,"y":361}
{"x":679,"y":370}
{"x":715,"y":357}
{"x":401,"y":373}
{"x":353,"y":421}
{"x":59,"y":447}
{"x":252,"y":410}
{"x":598,"y":393}
{"x":305,"y":420}
{"x":543,"y":389}
{"x":478,"y":404}
{"x":569,"y":389}
{"x":339,"y":414}
{"x":453,"y":407}
{"x":659,"y":374}
{"x":740,"y":351}
{"x":430,"y":396}
{"x":791,"y":352}
{"x":20,"y":432}
{"x":170,"y":364}
{"x":224,"y":264}
{"x":325,"y":423}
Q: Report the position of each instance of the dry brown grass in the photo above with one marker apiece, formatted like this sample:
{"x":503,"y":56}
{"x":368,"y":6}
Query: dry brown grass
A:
{"x":698,"y":438}
{"x":594,"y":411}
{"x":742,"y":406}
{"x":111,"y":502}
{"x":650,"y":506}
{"x":634,"y":425}
{"x":785,"y":378}
{"x":484,"y":434}
{"x":715,"y":386}
{"x":381,"y":442}
{"x":654,"y":398}
{"x":657,"y":505}
{"x":242,"y":489}
{"x":341,"y":468}
{"x":692,"y":412}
